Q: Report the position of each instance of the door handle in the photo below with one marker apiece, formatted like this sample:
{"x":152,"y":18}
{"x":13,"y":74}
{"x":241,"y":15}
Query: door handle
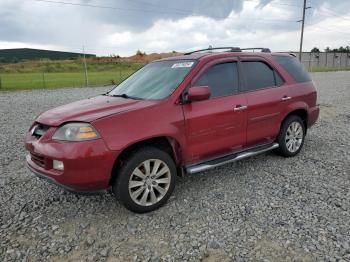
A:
{"x":285,"y":98}
{"x":239,"y":108}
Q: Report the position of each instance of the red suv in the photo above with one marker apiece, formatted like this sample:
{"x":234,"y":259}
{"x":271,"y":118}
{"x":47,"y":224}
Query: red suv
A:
{"x":175,"y":116}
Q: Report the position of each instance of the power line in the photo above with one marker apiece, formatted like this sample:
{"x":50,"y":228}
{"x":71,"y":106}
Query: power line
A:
{"x":335,"y":13}
{"x":108,"y":7}
{"x":327,"y":29}
{"x":148,"y":10}
{"x":275,"y":3}
{"x":157,"y":6}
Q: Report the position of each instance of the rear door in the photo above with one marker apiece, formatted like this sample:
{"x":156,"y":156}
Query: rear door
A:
{"x":213,"y":126}
{"x":267,"y":97}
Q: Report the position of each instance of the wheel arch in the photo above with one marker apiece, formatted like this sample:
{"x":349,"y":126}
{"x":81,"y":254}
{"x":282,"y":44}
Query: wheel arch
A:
{"x":169,"y":144}
{"x":302,"y":113}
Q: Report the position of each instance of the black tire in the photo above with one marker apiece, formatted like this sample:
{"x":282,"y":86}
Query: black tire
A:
{"x":284,"y":147}
{"x":135,"y":160}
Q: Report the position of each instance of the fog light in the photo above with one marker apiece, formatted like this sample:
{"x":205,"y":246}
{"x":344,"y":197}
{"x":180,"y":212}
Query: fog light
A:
{"x":58,"y":165}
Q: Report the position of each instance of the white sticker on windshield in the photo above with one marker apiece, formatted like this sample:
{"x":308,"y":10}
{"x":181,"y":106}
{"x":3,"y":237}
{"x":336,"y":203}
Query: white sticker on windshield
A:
{"x":183,"y":64}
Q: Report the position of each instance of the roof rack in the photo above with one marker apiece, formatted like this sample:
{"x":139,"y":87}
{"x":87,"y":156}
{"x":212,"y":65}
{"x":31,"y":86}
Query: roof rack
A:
{"x":287,"y":52}
{"x":231,"y":49}
{"x":262,"y":49}
{"x":210,"y":48}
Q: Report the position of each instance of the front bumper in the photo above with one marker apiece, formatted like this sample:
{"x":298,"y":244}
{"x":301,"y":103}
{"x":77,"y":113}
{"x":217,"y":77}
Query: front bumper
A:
{"x":88,"y":165}
{"x":54,"y":182}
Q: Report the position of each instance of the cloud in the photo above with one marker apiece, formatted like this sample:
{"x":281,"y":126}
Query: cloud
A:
{"x":138,"y":15}
{"x":157,"y":26}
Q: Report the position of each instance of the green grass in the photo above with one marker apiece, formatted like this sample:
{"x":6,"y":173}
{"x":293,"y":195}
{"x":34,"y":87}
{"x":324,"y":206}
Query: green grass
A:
{"x":70,"y":73}
{"x":56,"y":74}
{"x":77,"y":66}
{"x":328,"y":69}
{"x":21,"y":81}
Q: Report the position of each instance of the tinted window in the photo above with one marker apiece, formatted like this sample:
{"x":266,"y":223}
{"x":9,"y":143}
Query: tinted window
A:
{"x":279,"y":80}
{"x":156,"y":80}
{"x":258,"y":75}
{"x":222,"y":79}
{"x":293,"y":67}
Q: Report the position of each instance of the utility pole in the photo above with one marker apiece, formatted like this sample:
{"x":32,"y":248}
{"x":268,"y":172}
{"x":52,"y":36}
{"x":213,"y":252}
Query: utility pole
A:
{"x":302,"y":30}
{"x":85,"y":68}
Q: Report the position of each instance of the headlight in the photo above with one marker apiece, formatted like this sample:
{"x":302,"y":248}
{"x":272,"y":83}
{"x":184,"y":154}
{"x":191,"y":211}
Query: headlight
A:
{"x":76,"y":132}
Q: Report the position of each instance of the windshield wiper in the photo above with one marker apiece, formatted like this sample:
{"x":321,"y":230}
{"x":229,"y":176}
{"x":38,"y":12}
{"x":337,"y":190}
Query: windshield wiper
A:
{"x":123,"y":96}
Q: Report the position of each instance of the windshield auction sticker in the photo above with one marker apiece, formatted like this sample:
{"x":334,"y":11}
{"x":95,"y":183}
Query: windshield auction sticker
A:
{"x":183,"y":64}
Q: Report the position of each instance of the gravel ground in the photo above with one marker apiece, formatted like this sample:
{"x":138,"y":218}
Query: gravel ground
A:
{"x":263,"y":208}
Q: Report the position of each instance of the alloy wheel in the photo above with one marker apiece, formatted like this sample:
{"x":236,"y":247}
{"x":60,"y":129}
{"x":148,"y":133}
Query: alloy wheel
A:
{"x":294,"y":137}
{"x":149,"y":182}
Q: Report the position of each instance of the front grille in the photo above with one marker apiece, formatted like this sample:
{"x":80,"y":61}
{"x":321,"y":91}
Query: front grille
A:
{"x":39,"y":160}
{"x":39,"y":130}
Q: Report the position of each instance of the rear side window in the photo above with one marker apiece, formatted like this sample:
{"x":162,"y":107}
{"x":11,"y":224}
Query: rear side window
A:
{"x":259,"y":75}
{"x":293,"y":67}
{"x":279,"y":80}
{"x":222,"y":79}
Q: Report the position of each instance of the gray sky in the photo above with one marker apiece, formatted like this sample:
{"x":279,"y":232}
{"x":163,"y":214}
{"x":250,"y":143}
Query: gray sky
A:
{"x":124,"y":26}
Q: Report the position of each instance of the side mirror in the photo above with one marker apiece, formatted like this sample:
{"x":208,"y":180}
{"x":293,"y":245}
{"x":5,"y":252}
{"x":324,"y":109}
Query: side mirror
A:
{"x":198,"y":93}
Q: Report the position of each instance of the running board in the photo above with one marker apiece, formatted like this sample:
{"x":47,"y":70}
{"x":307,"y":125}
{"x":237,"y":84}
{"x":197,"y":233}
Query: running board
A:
{"x":229,"y":159}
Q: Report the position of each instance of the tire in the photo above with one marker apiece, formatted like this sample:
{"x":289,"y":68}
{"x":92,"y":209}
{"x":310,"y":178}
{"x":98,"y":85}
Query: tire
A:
{"x":291,"y":137}
{"x":145,"y":180}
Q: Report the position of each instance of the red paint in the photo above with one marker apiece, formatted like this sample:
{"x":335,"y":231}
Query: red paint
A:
{"x":197,"y":131}
{"x":198,"y":93}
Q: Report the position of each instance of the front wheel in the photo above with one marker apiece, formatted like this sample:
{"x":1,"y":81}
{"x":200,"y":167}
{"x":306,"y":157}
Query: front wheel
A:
{"x":146,"y":179}
{"x":291,"y":137}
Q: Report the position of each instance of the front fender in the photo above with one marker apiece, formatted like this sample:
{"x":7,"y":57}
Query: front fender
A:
{"x":161,"y":120}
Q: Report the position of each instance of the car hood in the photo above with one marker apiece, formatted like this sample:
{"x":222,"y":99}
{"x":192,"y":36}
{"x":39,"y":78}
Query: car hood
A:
{"x":88,"y":110}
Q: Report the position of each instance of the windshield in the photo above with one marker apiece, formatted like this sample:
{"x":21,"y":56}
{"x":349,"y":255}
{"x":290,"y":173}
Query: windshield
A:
{"x":156,"y":80}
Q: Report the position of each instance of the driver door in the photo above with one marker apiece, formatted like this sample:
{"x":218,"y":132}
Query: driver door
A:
{"x":216,"y":126}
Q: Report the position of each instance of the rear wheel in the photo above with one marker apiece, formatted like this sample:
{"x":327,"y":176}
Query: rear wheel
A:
{"x":291,"y":137}
{"x":145,"y":180}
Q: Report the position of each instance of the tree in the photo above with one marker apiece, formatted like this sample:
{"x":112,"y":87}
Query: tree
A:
{"x":315,"y":50}
{"x":14,"y":60}
{"x":139,"y":53}
{"x":327,"y":49}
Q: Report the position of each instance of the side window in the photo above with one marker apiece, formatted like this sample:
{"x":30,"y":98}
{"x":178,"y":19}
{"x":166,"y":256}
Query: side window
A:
{"x":222,"y":79}
{"x":293,"y":67}
{"x":279,"y":80}
{"x":259,"y":75}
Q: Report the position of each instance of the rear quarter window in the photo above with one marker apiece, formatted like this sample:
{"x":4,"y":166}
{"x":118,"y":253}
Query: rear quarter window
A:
{"x":293,"y":67}
{"x":259,"y":75}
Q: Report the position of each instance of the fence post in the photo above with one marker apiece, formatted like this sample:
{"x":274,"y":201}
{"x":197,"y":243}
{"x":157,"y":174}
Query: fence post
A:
{"x":44,"y":84}
{"x":0,"y":83}
{"x":85,"y":68}
{"x":310,"y":60}
{"x":326,"y":59}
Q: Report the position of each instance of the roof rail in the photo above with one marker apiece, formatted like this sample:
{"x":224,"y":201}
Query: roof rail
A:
{"x":231,"y":49}
{"x":262,"y":49}
{"x":210,"y":48}
{"x":287,"y":52}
